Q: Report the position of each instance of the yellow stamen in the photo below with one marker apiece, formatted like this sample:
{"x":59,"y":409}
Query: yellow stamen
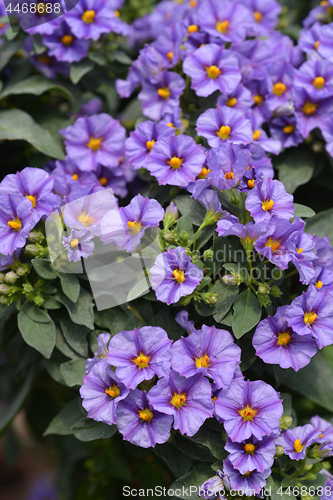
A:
{"x":316,"y":45}
{"x":203,"y":173}
{"x":202,"y":362}
{"x":224,"y":132}
{"x":170,"y":56}
{"x":247,"y":473}
{"x":113,"y":391}
{"x":309,"y":108}
{"x":75,"y":177}
{"x":172,"y":125}
{"x":94,"y":143}
{"x":116,"y":13}
{"x":41,"y":8}
{"x":85,"y":219}
{"x":164,"y":92}
{"x":229,"y":176}
{"x":274,"y":244}
{"x":258,"y":99}
{"x":310,"y":317}
{"x":250,"y":183}
{"x":319,"y":82}
{"x":323,"y":3}
{"x":103,"y":181}
{"x":74,"y":243}
{"x":146,"y":415}
{"x":141,"y":361}
{"x":214,"y":398}
{"x":175,"y":162}
{"x":193,"y":3}
{"x":319,"y":284}
{"x":298,"y":446}
{"x":134,"y":226}
{"x":193,"y":28}
{"x":150,"y":144}
{"x":283,"y":338}
{"x":67,"y":39}
{"x":267,"y":205}
{"x":222,"y":26}
{"x":88,"y":16}
{"x":231,"y":102}
{"x":279,"y":88}
{"x":15,"y":224}
{"x":299,"y":250}
{"x":288,"y":129}
{"x":178,"y":400}
{"x":247,"y":413}
{"x":256,"y":135}
{"x":179,"y":275}
{"x":213,"y":71}
{"x":33,"y":199}
{"x":321,"y":433}
{"x":249,"y":448}
{"x":257,"y":16}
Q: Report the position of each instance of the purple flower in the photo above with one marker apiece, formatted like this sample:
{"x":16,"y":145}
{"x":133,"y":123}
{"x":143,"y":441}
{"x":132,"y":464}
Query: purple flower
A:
{"x":274,"y":244}
{"x":311,"y":39}
{"x":265,"y":14}
{"x":209,"y":351}
{"x":316,"y":77}
{"x":176,"y":160}
{"x":64,"y":46}
{"x":140,"y":423}
{"x":15,"y":222}
{"x":311,"y":112}
{"x":276,"y":343}
{"x":101,"y":392}
{"x":268,"y":199}
{"x":187,"y":399}
{"x":249,"y":483}
{"x":212,"y":68}
{"x":303,"y":255}
{"x":328,"y":488}
{"x":228,"y":20}
{"x":285,"y":130}
{"x":140,"y":354}
{"x":227,"y":165}
{"x":224,"y":125}
{"x":128,"y":228}
{"x":260,"y":161}
{"x":251,"y":454}
{"x":161,"y":97}
{"x":174,"y":276}
{"x":94,"y":139}
{"x":296,"y":441}
{"x":312,"y":314}
{"x":91,"y":18}
{"x":249,"y":408}
{"x":240,"y":99}
{"x":183,"y":321}
{"x":78,"y":244}
{"x":214,"y":486}
{"x":248,"y":233}
{"x":143,"y":139}
{"x":324,"y":429}
{"x":282,"y":81}
{"x":103,"y":342}
{"x":260,"y":137}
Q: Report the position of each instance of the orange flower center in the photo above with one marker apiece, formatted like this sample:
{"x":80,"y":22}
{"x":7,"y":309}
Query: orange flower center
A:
{"x":141,"y":361}
{"x":113,"y":391}
{"x":88,"y":16}
{"x":248,"y":413}
{"x":94,"y":143}
{"x":134,"y":226}
{"x":316,"y":44}
{"x":224,"y":132}
{"x":146,"y":415}
{"x":203,"y":173}
{"x":74,"y":243}
{"x":258,"y":99}
{"x":193,"y":28}
{"x":279,"y":88}
{"x":231,"y":102}
{"x":288,"y":129}
{"x":274,"y":244}
{"x":85,"y":219}
{"x":213,"y":71}
{"x":178,"y":400}
{"x":319,"y":82}
{"x":67,"y":39}
{"x":256,"y":135}
{"x":267,"y":205}
{"x":175,"y":162}
{"x":170,"y":56}
{"x":250,"y":183}
{"x":298,"y":446}
{"x":249,"y":448}
{"x":75,"y":177}
{"x":257,"y":16}
{"x":309,"y":108}
{"x":15,"y":224}
{"x":202,"y":362}
{"x":310,"y":317}
{"x":222,"y":26}
{"x":283,"y":338}
{"x":229,"y":176}
{"x":33,"y":199}
{"x":103,"y":181}
{"x":319,"y":284}
{"x":179,"y":275}
{"x":164,"y":92}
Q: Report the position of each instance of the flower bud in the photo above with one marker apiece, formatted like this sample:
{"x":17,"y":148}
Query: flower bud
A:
{"x":38,"y":300}
{"x":229,"y":279}
{"x":168,"y":237}
{"x":321,"y":451}
{"x":318,"y":147}
{"x":4,"y":289}
{"x":287,"y":109}
{"x":208,"y":254}
{"x":4,"y":300}
{"x":23,"y":269}
{"x":32,"y":250}
{"x":27,"y":288}
{"x":11,"y":277}
{"x":209,"y":298}
{"x":2,"y":278}
{"x":171,"y":215}
{"x":34,"y":237}
{"x":279,"y":451}
{"x":285,"y":422}
{"x":263,"y":289}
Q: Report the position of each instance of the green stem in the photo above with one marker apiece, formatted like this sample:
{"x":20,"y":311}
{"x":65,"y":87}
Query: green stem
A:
{"x":197,"y":234}
{"x":136,"y":314}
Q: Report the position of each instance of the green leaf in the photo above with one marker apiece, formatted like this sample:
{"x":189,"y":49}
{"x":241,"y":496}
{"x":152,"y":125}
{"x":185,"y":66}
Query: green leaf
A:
{"x":35,"y":85}
{"x":9,"y":47}
{"x":296,"y":169}
{"x":18,"y":125}
{"x":195,"y":478}
{"x":276,"y":494}
{"x":321,"y":224}
{"x":8,"y":414}
{"x":75,"y":335}
{"x":73,"y":371}
{"x":41,"y":336}
{"x":212,"y":440}
{"x":63,"y":346}
{"x":315,"y":381}
{"x":65,"y":419}
{"x":193,"y":209}
{"x":35,"y":313}
{"x":178,"y":463}
{"x":247,"y":313}
{"x":81,"y":312}
{"x":184,"y":224}
{"x":164,"y":319}
{"x":50,"y":303}
{"x":44,"y":269}
{"x":78,"y":70}
{"x":205,"y":235}
{"x":303,"y":211}
{"x":70,"y":285}
{"x":89,"y":430}
{"x":192,"y":449}
{"x":226,"y":296}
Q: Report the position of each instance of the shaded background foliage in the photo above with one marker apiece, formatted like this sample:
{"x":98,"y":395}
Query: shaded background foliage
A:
{"x":99,"y":469}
